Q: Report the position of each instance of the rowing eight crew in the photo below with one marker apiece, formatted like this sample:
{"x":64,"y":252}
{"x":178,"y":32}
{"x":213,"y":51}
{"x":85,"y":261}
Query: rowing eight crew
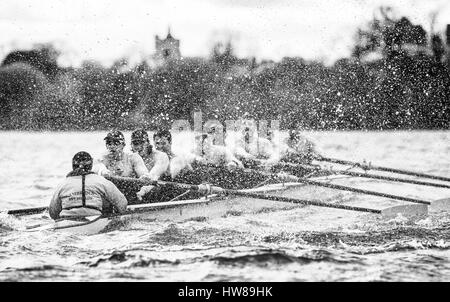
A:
{"x":85,"y":192}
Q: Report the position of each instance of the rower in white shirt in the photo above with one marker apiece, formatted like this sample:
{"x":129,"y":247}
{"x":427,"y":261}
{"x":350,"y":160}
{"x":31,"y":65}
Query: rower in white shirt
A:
{"x":297,"y":149}
{"x":117,"y":162}
{"x":215,"y":155}
{"x":178,"y":162}
{"x":255,"y":150}
{"x":157,"y":162}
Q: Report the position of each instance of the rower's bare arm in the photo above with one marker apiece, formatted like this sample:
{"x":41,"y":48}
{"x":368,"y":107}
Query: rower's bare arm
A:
{"x":161,"y":166}
{"x":100,"y":168}
{"x":139,"y":166}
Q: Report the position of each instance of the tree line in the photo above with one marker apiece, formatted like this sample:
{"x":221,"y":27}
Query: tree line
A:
{"x":394,"y":79}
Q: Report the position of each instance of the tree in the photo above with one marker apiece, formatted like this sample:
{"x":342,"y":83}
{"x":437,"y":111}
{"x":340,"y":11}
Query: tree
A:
{"x":387,"y":35}
{"x":43,"y":58}
{"x":22,"y":89}
{"x":223,"y":54}
{"x":437,"y":46}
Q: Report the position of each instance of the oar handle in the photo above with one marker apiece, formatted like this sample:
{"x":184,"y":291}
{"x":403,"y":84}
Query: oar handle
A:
{"x":203,"y":188}
{"x":385,"y":169}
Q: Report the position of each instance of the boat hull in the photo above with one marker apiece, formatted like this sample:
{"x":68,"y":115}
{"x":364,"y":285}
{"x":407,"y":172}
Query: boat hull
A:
{"x":209,"y":207}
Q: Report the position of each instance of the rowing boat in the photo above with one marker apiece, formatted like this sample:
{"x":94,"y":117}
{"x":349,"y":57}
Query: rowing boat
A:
{"x":176,"y":201}
{"x":215,"y":205}
{"x":173,"y":203}
{"x":210,"y":206}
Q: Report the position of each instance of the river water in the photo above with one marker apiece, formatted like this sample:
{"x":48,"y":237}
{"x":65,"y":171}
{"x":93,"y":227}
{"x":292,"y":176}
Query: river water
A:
{"x":301,"y":244}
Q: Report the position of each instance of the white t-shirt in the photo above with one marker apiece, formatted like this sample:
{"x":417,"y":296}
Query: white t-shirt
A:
{"x":126,"y":165}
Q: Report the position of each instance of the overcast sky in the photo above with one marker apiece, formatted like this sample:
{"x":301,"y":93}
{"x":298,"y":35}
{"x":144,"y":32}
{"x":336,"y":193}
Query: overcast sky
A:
{"x":105,"y":30}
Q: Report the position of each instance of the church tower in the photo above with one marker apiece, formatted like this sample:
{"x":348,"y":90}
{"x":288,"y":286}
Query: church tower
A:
{"x":167,"y":49}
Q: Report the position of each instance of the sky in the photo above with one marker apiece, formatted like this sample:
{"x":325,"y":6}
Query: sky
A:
{"x":106,"y":30}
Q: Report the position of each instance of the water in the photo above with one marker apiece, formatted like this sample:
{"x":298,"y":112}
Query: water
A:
{"x":301,"y":244}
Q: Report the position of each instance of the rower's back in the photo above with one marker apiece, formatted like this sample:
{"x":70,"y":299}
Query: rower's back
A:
{"x":100,"y":196}
{"x":84,"y":193}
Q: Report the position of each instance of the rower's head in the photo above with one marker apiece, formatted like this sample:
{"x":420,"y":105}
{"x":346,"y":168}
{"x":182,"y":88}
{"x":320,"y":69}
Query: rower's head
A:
{"x":82,"y":162}
{"x":163,"y":140}
{"x":300,"y":143}
{"x":211,"y":130}
{"x":294,"y":135}
{"x":247,"y":134}
{"x":115,"y":141}
{"x":140,"y":142}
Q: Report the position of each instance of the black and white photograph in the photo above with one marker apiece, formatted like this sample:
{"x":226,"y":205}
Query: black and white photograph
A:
{"x":224,"y":147}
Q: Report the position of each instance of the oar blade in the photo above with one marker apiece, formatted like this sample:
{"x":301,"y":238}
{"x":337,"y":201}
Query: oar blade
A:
{"x":26,"y":211}
{"x":409,"y":210}
{"x":440,"y":205}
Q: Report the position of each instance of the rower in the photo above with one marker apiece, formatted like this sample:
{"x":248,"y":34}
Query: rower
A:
{"x":84,"y":193}
{"x":298,"y":149}
{"x":214,"y":134}
{"x":163,"y":142}
{"x":253,"y":150}
{"x":215,"y":155}
{"x":117,"y":162}
{"x":178,"y":162}
{"x":157,"y":162}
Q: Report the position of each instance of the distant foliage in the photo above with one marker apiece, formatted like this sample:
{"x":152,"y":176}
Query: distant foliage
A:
{"x":393,"y":80}
{"x":388,"y":35}
{"x":22,"y":94}
{"x":43,"y":58}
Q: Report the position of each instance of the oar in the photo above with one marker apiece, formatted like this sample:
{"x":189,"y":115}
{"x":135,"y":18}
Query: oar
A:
{"x":436,"y":205}
{"x":386,"y":169}
{"x":408,"y":210}
{"x":366,"y":175}
{"x":26,"y":211}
